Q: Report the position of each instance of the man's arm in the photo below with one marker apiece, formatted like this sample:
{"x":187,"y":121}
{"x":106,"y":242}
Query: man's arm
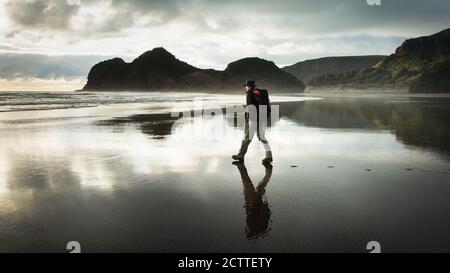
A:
{"x":252,"y":105}
{"x":251,"y":99}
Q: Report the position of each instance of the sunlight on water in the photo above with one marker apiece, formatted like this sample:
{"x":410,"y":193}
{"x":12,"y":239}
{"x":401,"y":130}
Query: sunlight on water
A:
{"x":151,"y":180}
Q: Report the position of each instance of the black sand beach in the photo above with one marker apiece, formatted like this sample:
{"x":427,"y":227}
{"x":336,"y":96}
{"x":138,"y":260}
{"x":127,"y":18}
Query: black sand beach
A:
{"x":126,"y":177}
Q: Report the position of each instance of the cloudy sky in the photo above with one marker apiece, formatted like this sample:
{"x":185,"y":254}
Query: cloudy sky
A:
{"x":51,"y":44}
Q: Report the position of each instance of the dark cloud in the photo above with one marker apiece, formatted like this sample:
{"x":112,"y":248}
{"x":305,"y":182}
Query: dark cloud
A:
{"x":155,"y":12}
{"x":48,"y":14}
{"x":309,"y":16}
{"x":315,"y":16}
{"x":164,"y":8}
{"x":331,"y":16}
{"x":25,"y":66}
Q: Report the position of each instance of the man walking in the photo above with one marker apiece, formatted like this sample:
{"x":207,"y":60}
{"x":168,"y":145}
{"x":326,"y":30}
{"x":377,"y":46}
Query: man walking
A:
{"x":255,"y":121}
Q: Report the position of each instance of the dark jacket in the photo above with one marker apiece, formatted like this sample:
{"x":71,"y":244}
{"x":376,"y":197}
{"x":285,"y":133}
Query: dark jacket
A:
{"x":251,"y":99}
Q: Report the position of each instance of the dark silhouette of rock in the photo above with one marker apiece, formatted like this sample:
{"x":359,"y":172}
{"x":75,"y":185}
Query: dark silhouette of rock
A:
{"x":156,"y":69}
{"x":309,"y":69}
{"x":202,"y":79}
{"x":159,"y":70}
{"x":419,"y":63}
{"x":107,"y":75}
{"x":265,"y":72}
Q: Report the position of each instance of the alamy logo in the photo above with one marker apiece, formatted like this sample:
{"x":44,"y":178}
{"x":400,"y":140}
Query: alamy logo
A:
{"x":374,"y":247}
{"x":74,"y":247}
{"x":373,"y":2}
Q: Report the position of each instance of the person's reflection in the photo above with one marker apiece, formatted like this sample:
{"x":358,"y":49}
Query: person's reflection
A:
{"x":256,"y":206}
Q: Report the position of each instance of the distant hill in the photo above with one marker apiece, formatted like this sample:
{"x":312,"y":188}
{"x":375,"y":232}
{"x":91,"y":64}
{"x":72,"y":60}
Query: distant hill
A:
{"x":159,"y":70}
{"x":307,"y":70}
{"x":268,"y":75}
{"x":436,"y":79}
{"x":419,"y":65}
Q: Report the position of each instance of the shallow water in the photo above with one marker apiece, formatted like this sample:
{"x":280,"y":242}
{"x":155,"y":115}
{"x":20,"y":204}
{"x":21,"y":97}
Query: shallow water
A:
{"x":124,"y":176}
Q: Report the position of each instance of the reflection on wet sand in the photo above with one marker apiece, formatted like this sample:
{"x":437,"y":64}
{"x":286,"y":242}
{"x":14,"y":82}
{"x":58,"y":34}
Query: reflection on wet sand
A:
{"x":157,"y":126}
{"x":414,"y":121}
{"x":116,"y":186}
{"x":256,"y":206}
{"x":419,"y":122}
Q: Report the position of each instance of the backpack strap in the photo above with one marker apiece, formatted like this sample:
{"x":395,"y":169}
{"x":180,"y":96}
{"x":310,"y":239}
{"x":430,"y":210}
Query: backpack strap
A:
{"x":257,"y":92}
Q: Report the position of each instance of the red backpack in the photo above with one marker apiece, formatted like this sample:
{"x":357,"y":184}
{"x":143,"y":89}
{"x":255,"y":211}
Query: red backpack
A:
{"x":262,"y":95}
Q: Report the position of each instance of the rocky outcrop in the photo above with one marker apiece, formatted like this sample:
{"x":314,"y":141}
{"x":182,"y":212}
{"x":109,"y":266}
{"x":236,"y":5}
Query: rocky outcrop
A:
{"x":307,"y":70}
{"x":416,"y":65}
{"x":436,"y":79}
{"x":159,"y":70}
{"x":266,"y":73}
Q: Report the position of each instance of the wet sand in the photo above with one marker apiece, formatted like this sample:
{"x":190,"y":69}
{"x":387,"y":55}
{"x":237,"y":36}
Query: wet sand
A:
{"x":130,"y":178}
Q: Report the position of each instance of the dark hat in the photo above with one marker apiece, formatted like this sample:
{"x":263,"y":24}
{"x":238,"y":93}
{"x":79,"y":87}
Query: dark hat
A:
{"x":250,"y":83}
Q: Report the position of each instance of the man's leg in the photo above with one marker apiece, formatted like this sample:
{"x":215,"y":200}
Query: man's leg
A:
{"x":265,"y":143}
{"x":250,"y":129}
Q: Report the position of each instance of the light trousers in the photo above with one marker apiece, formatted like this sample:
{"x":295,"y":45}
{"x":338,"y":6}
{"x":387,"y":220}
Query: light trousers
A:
{"x":251,"y":127}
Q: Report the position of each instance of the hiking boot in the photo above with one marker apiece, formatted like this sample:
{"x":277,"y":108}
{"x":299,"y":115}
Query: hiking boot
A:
{"x":239,"y":164}
{"x":268,"y":167}
{"x":238,"y":158}
{"x":267,"y":160}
